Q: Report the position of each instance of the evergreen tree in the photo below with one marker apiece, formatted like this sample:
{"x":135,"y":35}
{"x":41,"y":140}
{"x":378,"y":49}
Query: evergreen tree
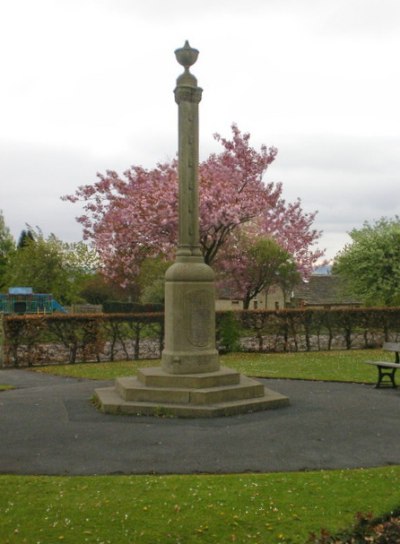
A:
{"x":25,"y":238}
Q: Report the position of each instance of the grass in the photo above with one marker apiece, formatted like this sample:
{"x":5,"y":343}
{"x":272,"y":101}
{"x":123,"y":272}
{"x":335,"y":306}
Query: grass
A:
{"x":256,"y":508}
{"x":345,"y":366}
{"x":4,"y":387}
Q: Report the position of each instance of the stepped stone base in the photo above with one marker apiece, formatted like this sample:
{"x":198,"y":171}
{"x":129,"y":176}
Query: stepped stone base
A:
{"x":155,"y":392}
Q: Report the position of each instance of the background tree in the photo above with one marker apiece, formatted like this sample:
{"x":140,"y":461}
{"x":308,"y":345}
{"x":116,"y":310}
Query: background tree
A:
{"x":151,"y":280}
{"x":97,"y":289}
{"x":132,"y":218}
{"x":288,"y":277}
{"x":38,"y":264}
{"x":255,"y":265}
{"x":50,"y":266}
{"x":7,"y":245}
{"x":80,"y":263}
{"x":370,"y":264}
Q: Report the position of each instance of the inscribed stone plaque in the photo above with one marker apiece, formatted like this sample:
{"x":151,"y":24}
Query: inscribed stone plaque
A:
{"x":198,"y":308}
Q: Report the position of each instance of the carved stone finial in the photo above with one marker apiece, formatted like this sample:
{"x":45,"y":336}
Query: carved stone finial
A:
{"x":186,"y":55}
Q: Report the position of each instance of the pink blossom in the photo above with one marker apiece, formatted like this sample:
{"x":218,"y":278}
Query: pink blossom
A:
{"x":135,"y":216}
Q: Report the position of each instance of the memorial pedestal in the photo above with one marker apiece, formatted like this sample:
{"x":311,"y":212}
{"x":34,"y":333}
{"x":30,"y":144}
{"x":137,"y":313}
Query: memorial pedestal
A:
{"x":155,"y":392}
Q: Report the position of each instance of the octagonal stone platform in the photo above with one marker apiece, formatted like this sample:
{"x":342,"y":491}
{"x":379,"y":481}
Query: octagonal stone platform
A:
{"x":155,"y":392}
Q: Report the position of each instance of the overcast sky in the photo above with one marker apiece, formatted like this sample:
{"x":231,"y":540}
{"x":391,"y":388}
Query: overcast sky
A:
{"x":87,"y":85}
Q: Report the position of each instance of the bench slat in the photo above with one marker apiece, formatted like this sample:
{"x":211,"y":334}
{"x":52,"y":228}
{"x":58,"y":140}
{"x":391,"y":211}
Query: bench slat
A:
{"x":383,"y":363}
{"x":391,"y":346}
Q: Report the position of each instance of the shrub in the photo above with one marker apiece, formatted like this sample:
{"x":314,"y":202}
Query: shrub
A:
{"x":367,"y":530}
{"x":228,"y":332}
{"x":112,"y":307}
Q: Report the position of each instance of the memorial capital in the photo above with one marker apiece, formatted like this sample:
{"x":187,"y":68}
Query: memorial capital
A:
{"x":188,"y":94}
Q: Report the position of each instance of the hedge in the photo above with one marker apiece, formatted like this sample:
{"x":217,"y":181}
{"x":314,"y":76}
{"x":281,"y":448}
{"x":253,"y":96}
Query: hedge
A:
{"x":33,"y":339}
{"x":113,"y":307}
{"x":319,"y":328}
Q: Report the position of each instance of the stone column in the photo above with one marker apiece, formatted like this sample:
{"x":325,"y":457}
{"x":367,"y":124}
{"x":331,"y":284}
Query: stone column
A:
{"x":189,"y":282}
{"x":188,"y":96}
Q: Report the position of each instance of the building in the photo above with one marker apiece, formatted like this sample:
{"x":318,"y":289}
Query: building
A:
{"x":322,"y":290}
{"x":22,"y":300}
{"x":271,"y":300}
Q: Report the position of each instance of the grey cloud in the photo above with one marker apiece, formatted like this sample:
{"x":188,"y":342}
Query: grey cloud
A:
{"x":33,"y":178}
{"x":175,"y":10}
{"x":374,"y":18}
{"x":347,"y":180}
{"x":341,"y":153}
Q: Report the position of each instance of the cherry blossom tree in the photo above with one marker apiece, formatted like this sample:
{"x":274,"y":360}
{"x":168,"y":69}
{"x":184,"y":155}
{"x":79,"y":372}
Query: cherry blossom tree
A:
{"x":133,"y":217}
{"x":293,"y":229}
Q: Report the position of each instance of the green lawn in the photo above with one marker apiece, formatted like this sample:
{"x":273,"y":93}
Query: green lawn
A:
{"x":345,"y":366}
{"x":256,"y":508}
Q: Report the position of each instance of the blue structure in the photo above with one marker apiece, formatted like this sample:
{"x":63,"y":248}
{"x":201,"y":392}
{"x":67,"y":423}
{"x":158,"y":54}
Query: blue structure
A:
{"x":22,"y":300}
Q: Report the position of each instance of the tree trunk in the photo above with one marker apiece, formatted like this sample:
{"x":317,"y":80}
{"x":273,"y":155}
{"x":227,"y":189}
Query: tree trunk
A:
{"x":246,"y":302}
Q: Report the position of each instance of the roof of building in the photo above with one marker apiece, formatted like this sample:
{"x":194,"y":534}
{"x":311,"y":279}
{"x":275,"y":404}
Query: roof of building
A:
{"x":323,"y":290}
{"x":20,"y":291}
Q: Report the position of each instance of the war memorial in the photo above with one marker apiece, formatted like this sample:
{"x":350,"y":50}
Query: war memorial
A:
{"x":190,"y":381}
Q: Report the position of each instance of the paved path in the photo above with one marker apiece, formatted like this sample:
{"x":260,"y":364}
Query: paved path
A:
{"x":48,"y":426}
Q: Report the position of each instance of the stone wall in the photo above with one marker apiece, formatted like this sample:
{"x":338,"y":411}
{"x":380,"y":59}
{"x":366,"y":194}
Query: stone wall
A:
{"x":44,"y":354}
{"x":271,"y":343}
{"x":150,"y":348}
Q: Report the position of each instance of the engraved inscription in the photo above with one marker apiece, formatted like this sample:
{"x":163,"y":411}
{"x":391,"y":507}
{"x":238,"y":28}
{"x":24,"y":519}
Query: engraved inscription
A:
{"x":198,"y":313}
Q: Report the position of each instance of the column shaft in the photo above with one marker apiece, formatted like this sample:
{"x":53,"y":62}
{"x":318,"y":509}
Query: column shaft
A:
{"x":188,"y":98}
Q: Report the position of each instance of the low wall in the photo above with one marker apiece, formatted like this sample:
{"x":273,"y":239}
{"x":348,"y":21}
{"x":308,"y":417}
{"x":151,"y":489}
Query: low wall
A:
{"x":272,"y":344}
{"x":47,"y":354}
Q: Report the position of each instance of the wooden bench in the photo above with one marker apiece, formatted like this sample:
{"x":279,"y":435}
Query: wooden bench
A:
{"x":386,"y":368}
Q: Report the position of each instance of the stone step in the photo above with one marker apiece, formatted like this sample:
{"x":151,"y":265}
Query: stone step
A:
{"x":157,"y":377}
{"x":132,"y":389}
{"x":111,"y":403}
{"x":247,"y":388}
